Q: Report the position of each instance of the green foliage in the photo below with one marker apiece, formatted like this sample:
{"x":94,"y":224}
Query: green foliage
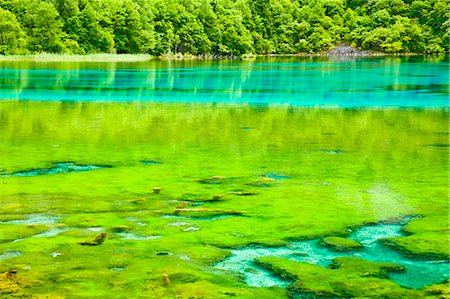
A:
{"x":44,"y":27}
{"x":223,"y":27}
{"x":12,"y":37}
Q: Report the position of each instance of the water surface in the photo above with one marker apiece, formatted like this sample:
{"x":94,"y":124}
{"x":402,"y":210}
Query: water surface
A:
{"x":310,"y":81}
{"x":311,"y":171}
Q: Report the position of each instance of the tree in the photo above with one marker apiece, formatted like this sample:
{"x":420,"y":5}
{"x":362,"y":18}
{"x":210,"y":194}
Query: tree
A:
{"x":12,"y":36}
{"x":44,"y":27}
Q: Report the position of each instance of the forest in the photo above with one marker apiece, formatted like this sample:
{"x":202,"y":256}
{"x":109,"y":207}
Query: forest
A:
{"x":224,"y":27}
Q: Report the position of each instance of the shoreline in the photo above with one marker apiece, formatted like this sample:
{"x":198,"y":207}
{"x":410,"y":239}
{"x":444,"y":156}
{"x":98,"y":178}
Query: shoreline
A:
{"x":146,"y":57}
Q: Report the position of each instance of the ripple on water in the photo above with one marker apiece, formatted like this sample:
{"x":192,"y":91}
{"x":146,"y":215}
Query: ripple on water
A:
{"x":419,"y":273}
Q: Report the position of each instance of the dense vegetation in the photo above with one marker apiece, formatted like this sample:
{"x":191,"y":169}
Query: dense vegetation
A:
{"x":161,"y":27}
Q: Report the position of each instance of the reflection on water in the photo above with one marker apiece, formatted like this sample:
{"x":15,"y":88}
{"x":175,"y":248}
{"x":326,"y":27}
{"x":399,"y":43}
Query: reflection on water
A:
{"x":295,"y":81}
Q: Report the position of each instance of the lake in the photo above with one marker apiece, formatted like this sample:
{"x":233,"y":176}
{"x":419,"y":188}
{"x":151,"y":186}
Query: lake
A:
{"x":337,"y":82}
{"x":183,"y":179}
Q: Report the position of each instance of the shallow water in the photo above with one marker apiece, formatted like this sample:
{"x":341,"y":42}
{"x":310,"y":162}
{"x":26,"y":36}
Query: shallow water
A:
{"x":34,"y":219}
{"x":419,"y":273}
{"x":131,"y":236}
{"x":9,"y":254}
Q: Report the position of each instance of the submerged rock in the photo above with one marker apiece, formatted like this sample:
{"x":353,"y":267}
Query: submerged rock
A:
{"x":180,"y":207}
{"x":120,"y":228}
{"x":217,"y":197}
{"x":340,"y":244}
{"x":99,"y":239}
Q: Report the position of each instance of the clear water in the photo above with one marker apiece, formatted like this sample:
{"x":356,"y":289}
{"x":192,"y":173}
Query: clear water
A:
{"x":131,"y":236}
{"x":327,"y":165}
{"x":9,"y":254}
{"x":419,"y":273}
{"x":351,"y":82}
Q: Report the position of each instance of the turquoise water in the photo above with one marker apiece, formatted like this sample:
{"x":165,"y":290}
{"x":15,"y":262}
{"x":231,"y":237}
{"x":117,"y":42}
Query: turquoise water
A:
{"x":337,"y":82}
{"x":419,"y":273}
{"x":63,"y":167}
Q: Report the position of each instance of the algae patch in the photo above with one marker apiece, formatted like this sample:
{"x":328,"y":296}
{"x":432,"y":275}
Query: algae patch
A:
{"x":340,"y":244}
{"x":417,"y":274}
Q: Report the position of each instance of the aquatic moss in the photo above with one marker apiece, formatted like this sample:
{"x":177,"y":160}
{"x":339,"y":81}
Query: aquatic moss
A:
{"x":428,"y":238}
{"x":340,"y":244}
{"x":11,"y":232}
{"x":353,"y":277}
{"x":381,"y":174}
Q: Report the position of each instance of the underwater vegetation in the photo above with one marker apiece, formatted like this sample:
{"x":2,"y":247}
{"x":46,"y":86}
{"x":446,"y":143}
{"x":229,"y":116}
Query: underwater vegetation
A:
{"x":341,"y":181}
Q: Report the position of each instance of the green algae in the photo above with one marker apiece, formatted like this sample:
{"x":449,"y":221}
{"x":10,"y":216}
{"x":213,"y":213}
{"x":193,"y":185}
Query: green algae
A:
{"x":425,"y":239}
{"x":378,"y":174}
{"x":340,"y":244}
{"x":350,"y":278}
{"x":14,"y":232}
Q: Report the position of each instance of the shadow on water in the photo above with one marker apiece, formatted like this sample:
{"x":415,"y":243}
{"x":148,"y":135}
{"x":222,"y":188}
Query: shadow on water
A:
{"x":419,"y":273}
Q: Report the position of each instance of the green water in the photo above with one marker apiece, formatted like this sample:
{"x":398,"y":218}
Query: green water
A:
{"x":232,"y":174}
